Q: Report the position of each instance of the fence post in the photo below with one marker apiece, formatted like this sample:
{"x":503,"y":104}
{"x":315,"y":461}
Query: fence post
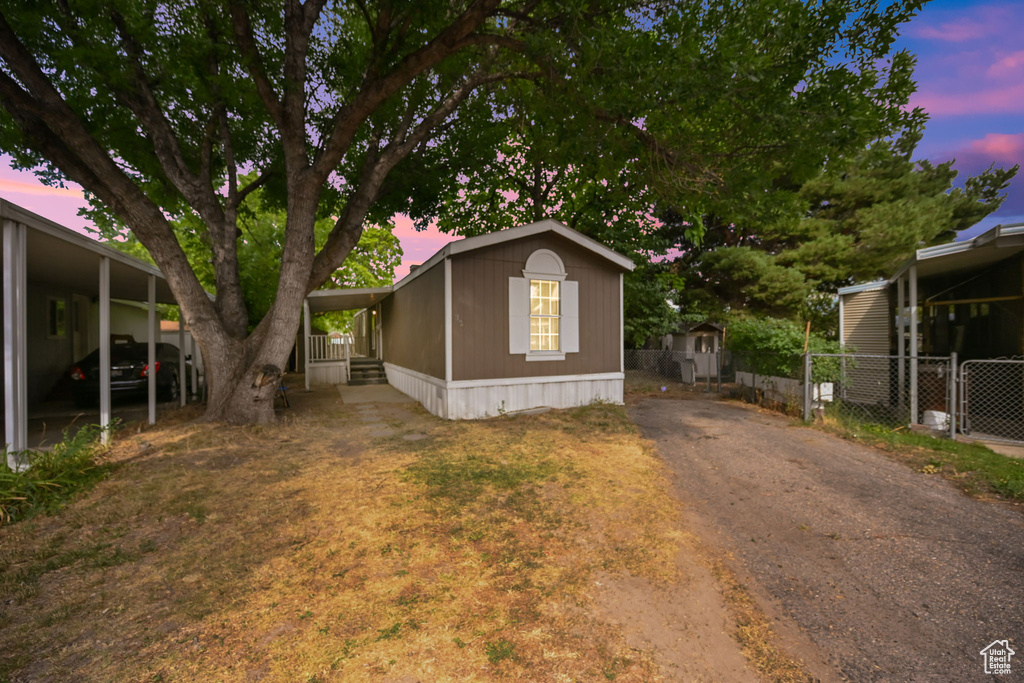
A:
{"x":807,"y":387}
{"x":952,"y":395}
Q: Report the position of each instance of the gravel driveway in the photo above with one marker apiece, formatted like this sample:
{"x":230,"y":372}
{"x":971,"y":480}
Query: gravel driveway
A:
{"x":893,"y":574}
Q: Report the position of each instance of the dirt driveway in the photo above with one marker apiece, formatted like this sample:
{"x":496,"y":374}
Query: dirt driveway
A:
{"x":893,"y":575}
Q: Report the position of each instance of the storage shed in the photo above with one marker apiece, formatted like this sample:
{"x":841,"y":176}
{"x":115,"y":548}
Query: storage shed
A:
{"x":503,"y":322}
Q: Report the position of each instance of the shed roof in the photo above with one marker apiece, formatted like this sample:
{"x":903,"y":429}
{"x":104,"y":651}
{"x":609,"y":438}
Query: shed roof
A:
{"x":64,"y":258}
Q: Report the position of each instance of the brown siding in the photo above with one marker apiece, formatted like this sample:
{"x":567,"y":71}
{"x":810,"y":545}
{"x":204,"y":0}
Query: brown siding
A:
{"x":413,"y":324}
{"x":480,"y":311}
{"x":866,"y":321}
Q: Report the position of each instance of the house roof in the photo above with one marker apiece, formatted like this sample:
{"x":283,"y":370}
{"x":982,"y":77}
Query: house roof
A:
{"x":686,"y":328}
{"x":989,"y":247}
{"x":480,"y":241}
{"x":324,"y":300}
{"x":64,"y":258}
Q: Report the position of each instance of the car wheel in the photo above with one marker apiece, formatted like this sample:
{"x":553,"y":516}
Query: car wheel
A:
{"x":172,"y":389}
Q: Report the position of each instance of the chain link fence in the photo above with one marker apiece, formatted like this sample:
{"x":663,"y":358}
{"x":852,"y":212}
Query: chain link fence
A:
{"x":652,"y":369}
{"x":992,"y":400}
{"x":879,"y":389}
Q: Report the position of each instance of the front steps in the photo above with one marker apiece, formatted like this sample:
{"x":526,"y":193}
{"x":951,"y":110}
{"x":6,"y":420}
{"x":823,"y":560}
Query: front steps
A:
{"x":363,"y":371}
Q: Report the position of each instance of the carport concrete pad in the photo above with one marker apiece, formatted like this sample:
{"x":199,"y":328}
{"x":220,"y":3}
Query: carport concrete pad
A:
{"x":372,"y":393}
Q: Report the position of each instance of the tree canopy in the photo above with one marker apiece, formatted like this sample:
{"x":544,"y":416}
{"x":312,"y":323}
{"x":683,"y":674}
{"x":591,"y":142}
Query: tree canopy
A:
{"x":173,"y":113}
{"x":857,"y":220}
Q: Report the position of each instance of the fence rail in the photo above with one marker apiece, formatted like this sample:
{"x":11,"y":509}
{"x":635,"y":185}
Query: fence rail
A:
{"x":323,"y":347}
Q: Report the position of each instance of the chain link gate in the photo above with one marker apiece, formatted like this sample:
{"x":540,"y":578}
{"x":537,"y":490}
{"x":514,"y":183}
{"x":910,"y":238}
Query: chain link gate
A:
{"x":992,"y":400}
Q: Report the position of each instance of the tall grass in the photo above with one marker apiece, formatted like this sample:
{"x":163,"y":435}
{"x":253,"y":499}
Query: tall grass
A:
{"x":51,"y":477}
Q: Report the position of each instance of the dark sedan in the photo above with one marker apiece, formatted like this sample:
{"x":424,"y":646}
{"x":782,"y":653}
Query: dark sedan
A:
{"x":129,"y":373}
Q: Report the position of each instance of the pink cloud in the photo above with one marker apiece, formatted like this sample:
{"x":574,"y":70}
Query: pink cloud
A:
{"x":995,"y":100}
{"x":999,"y":147}
{"x":417,"y":246}
{"x":36,"y":188}
{"x":1007,"y":66}
{"x":953,"y":31}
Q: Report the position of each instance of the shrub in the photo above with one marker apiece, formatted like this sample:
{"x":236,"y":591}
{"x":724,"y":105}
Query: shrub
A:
{"x":775,"y":347}
{"x":52,"y":477}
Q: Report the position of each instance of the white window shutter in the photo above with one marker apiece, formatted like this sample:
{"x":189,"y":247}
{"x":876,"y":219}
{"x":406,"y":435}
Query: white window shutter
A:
{"x":518,"y":315}
{"x":570,"y":323}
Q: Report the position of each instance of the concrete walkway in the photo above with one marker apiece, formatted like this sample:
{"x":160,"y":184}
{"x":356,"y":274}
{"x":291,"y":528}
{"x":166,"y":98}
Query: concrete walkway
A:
{"x":372,"y":393}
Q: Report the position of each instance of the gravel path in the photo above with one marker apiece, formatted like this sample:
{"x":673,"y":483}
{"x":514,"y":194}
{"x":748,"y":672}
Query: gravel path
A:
{"x":893,"y":575}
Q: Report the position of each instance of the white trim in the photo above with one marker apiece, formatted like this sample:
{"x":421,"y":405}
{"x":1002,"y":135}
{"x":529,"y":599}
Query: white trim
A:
{"x":555,"y":277}
{"x":532,"y":356}
{"x":15,"y":346}
{"x":990,"y":235}
{"x":509,"y":234}
{"x":842,"y":326}
{"x":182,"y":367}
{"x":151,"y":350}
{"x":505,"y":381}
{"x":104,"y":315}
{"x":418,"y":375}
{"x":448,"y":320}
{"x":307,"y":330}
{"x":550,"y":379}
{"x":534,"y":274}
{"x":866,"y":287}
{"x":622,"y":327}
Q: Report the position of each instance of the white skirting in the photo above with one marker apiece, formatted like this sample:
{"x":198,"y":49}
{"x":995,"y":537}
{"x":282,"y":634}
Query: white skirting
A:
{"x":468,"y":400}
{"x":328,"y":372}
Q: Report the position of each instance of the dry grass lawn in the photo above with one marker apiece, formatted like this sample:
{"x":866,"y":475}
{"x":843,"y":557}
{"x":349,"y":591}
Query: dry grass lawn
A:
{"x":314,"y":550}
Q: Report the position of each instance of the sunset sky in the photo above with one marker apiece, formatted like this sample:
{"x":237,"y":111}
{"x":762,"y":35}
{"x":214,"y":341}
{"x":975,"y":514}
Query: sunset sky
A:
{"x":970,"y":76}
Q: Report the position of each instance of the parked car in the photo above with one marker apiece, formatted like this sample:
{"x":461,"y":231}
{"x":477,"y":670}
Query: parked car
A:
{"x":129,"y":373}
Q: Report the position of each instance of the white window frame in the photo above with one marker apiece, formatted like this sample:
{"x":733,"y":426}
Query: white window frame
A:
{"x":56,"y":317}
{"x":543,"y":264}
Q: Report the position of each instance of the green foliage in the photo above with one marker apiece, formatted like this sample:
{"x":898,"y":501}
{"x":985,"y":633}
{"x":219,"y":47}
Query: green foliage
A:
{"x":260,"y":248}
{"x":772,"y":346}
{"x":646,"y":311}
{"x":53,"y":477}
{"x":858,"y":219}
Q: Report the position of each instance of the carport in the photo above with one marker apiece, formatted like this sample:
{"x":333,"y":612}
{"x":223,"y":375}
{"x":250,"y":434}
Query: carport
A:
{"x":38,"y":253}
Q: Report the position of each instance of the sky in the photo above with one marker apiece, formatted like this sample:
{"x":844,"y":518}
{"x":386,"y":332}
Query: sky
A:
{"x":970,"y":76}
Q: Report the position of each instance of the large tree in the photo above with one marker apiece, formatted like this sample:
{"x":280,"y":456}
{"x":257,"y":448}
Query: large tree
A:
{"x":162,"y":110}
{"x":856,"y":220}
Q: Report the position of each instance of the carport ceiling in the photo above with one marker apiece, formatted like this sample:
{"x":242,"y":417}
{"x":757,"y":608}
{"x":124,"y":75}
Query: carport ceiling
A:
{"x":65,"y":259}
{"x":325,"y":300}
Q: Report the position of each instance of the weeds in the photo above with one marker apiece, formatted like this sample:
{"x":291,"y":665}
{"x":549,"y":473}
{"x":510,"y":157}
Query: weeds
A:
{"x":51,"y":478}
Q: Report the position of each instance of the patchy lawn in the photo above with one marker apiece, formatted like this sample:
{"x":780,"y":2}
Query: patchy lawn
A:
{"x":327,"y":548}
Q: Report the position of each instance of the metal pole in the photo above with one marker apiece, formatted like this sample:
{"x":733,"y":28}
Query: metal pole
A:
{"x":807,"y":387}
{"x":306,"y":331}
{"x":913,"y":345}
{"x":15,"y":346}
{"x":901,"y":338}
{"x":105,"y":348}
{"x":182,"y":373}
{"x":151,"y":351}
{"x":952,"y":395}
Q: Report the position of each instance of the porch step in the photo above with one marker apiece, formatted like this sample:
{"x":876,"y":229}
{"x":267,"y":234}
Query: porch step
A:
{"x":365,"y":371}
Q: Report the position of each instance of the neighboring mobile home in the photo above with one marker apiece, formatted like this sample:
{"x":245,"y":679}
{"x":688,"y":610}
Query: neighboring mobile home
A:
{"x":965,"y":297}
{"x":503,"y":322}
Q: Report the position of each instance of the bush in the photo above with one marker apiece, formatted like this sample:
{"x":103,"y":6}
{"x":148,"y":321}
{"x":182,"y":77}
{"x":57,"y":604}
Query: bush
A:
{"x":53,"y":477}
{"x":774,"y":347}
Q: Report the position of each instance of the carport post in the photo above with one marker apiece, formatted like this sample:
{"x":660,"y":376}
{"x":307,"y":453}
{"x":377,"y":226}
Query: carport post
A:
{"x":182,"y":368}
{"x":195,"y":365}
{"x":913,"y":344}
{"x":105,"y":348}
{"x":306,"y":331}
{"x":15,"y":346}
{"x":151,"y":351}
{"x":952,"y":395}
{"x":807,"y":387}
